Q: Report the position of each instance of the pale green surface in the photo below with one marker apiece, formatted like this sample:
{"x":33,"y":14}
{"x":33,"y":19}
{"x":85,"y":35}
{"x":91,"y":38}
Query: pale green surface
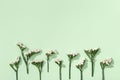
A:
{"x":65,"y":25}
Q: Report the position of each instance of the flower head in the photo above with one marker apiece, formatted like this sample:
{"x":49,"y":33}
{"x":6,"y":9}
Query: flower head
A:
{"x":91,"y":52}
{"x":38,"y":63}
{"x":72,"y":55}
{"x":52,"y":52}
{"x":21,"y":46}
{"x":16,"y":63}
{"x":81,"y":64}
{"x":58,"y":61}
{"x":106,"y":62}
{"x":32,"y":52}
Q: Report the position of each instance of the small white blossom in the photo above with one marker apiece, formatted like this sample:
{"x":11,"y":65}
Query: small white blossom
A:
{"x":58,"y":61}
{"x":21,"y":45}
{"x":95,"y":49}
{"x":107,"y":61}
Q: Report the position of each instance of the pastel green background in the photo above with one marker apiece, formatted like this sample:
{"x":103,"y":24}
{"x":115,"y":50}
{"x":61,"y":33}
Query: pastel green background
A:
{"x":64,"y":25}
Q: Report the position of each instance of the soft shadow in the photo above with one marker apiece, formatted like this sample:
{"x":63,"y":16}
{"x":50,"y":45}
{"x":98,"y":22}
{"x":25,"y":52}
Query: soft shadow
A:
{"x":63,"y":65}
{"x":86,"y":65}
{"x":77,"y":57}
{"x":111,"y":65}
{"x":34,"y":56}
{"x":53,"y":56}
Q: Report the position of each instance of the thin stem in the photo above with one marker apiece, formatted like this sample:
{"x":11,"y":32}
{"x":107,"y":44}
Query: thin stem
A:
{"x":16,"y":74}
{"x":60,"y":72}
{"x":92,"y":66}
{"x":69,"y":68}
{"x":81,"y":74}
{"x":103,"y":75}
{"x":47,"y":63}
{"x":39,"y":74}
{"x":25,"y":61}
{"x":27,"y":68}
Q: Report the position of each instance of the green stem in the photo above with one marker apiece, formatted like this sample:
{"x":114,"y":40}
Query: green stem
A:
{"x":47,"y":63}
{"x":70,"y":69}
{"x":92,"y":66}
{"x":103,"y":75}
{"x":25,"y":61}
{"x":39,"y":74}
{"x":27,"y":68}
{"x":81,"y":74}
{"x":60,"y":72}
{"x":16,"y":74}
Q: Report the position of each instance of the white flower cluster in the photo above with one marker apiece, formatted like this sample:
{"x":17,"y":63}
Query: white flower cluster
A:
{"x":73,"y":54}
{"x":107,"y":61}
{"x":21,"y":45}
{"x":51,"y":52}
{"x":58,"y":61}
{"x":82,"y":62}
{"x":31,"y":53}
{"x":89,"y":50}
{"x":16,"y":63}
{"x":37,"y":61}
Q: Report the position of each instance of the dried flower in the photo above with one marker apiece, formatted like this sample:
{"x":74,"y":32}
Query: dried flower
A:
{"x":80,"y":66}
{"x":49,"y":54}
{"x":15,"y":66}
{"x":59,"y":63}
{"x":28,"y":55}
{"x":32,"y":53}
{"x":21,"y":46}
{"x":103,"y":64}
{"x":71,"y":56}
{"x":91,"y":55}
{"x":39,"y":65}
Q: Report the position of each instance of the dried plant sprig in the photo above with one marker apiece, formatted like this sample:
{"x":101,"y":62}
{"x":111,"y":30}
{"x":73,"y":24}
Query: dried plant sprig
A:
{"x":39,"y":65}
{"x":71,"y":56}
{"x":104,"y":64}
{"x":80,"y":66}
{"x":59,"y":62}
{"x":21,"y":46}
{"x":27,"y":56}
{"x":15,"y":66}
{"x":91,"y":53}
{"x":32,"y":53}
{"x":49,"y":54}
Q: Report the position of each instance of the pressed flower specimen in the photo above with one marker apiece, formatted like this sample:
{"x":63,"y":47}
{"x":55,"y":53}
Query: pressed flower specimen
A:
{"x":80,"y":66}
{"x":71,"y":56}
{"x":91,"y":55}
{"x":49,"y":54}
{"x":15,"y":66}
{"x":28,"y":55}
{"x":59,"y":63}
{"x":39,"y":65}
{"x":104,"y":64}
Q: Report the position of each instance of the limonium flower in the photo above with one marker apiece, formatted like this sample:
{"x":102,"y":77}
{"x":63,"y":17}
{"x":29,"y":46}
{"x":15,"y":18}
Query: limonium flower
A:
{"x":49,"y":54}
{"x":39,"y":65}
{"x":15,"y":66}
{"x":71,"y":56}
{"x":104,"y":64}
{"x":27,"y":56}
{"x":91,"y":53}
{"x":81,"y":66}
{"x":59,"y":63}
